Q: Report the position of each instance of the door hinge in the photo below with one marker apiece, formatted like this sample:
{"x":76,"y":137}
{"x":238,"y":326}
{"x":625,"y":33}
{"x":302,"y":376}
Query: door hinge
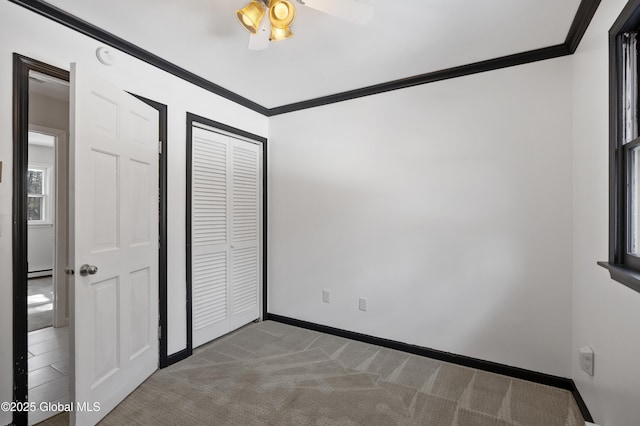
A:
{"x":159,"y":331}
{"x":159,"y":147}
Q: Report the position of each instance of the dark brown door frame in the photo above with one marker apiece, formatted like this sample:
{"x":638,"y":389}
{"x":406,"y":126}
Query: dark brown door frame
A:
{"x":21,"y":68}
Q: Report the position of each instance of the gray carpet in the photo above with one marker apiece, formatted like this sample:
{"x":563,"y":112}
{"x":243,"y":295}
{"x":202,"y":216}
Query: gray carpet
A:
{"x":274,"y":374}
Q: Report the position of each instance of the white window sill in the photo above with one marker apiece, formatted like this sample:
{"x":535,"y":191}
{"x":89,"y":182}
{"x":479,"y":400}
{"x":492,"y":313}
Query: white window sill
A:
{"x":39,"y":225}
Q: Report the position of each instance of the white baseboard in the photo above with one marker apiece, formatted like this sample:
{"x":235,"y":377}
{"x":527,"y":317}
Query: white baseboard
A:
{"x":45,"y":273}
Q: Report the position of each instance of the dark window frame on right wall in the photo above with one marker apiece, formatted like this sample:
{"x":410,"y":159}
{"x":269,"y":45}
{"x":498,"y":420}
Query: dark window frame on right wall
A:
{"x":624,"y":148}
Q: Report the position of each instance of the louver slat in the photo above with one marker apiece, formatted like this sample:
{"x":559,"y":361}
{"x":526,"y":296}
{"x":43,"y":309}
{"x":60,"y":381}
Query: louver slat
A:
{"x":245,"y":279}
{"x":245,"y":194}
{"x":209,"y":289}
{"x":209,"y":192}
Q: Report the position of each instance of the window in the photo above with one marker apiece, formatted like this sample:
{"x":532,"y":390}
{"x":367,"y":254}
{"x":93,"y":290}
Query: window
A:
{"x":629,"y":149}
{"x":38,"y":195}
{"x":624,"y":148}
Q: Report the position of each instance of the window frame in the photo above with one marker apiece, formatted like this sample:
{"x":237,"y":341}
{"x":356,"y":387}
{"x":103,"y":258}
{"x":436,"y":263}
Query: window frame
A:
{"x":628,"y":259}
{"x":47,"y":215}
{"x":623,"y":266}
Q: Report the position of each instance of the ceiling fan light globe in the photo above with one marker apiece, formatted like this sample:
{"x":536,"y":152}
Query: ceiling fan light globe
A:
{"x":278,"y":34}
{"x":281,"y":13}
{"x":280,"y":10}
{"x":250,"y":16}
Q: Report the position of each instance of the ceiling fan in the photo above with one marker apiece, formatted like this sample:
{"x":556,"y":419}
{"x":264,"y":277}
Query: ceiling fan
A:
{"x":270,"y":20}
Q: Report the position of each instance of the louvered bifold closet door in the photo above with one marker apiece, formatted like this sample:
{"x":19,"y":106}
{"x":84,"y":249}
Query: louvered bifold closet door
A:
{"x":245,"y":227}
{"x":210,"y":236}
{"x":226,"y":234}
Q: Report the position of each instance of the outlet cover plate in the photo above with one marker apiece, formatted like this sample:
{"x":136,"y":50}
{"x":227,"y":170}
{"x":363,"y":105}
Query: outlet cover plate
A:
{"x":586,"y":360}
{"x":362,"y":304}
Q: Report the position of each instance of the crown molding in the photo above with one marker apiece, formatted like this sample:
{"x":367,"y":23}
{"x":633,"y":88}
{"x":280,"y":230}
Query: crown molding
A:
{"x":579,"y":25}
{"x":446,"y":74}
{"x":581,"y":21}
{"x":586,"y":11}
{"x":90,"y":30}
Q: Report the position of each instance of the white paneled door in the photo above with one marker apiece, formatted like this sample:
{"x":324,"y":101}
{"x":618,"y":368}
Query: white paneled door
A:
{"x":226,"y":233}
{"x":114,"y":206}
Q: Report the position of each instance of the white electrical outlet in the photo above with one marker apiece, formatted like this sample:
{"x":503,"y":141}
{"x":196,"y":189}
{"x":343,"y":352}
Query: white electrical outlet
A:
{"x":362,"y":304}
{"x":326,"y":296}
{"x":586,"y":360}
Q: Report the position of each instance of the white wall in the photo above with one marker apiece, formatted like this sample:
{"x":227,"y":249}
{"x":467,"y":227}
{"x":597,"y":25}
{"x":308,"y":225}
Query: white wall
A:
{"x":48,"y":112}
{"x":606,"y":313}
{"x":30,"y":35}
{"x":447,"y":205}
{"x":41,"y":238}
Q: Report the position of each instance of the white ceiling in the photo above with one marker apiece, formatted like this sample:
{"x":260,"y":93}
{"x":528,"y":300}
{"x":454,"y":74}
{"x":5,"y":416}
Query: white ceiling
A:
{"x":327,"y":55}
{"x":46,"y":85}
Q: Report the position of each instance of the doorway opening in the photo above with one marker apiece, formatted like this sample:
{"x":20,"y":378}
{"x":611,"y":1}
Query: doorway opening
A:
{"x":41,"y":309}
{"x":35,"y":216}
{"x":47,"y":244}
{"x":47,"y":218}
